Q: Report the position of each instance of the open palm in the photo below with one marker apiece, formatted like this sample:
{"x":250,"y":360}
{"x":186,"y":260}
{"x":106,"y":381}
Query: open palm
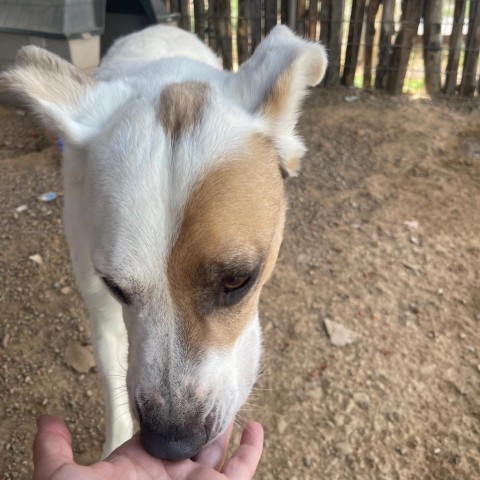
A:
{"x":53,"y":458}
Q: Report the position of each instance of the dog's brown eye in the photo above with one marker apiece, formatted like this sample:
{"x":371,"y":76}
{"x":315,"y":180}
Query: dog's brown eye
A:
{"x":235,"y":283}
{"x":116,"y":291}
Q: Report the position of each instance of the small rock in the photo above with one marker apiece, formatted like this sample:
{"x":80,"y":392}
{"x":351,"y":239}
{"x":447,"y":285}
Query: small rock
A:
{"x":307,"y":461}
{"x":89,"y":393}
{"x":351,"y":98}
{"x":21,"y":208}
{"x":478,"y":367}
{"x":411,"y":224}
{"x":79,"y":357}
{"x":462,"y":336}
{"x":66,"y":290}
{"x":400,"y":450}
{"x":44,"y":401}
{"x":414,"y":308}
{"x":415,"y":240}
{"x":440,"y":292}
{"x":362,"y":400}
{"x":437,"y":451}
{"x":339,"y":334}
{"x":5,"y":340}
{"x":36,"y":258}
{"x":281,"y":426}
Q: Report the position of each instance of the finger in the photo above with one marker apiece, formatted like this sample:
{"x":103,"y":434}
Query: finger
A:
{"x":52,"y":446}
{"x":244,"y":462}
{"x":214,"y":455}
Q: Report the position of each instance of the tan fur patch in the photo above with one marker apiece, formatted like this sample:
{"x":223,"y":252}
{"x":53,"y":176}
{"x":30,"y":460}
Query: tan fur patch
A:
{"x":276,"y":102}
{"x":45,"y":76}
{"x":181,"y":107}
{"x":234,"y":216}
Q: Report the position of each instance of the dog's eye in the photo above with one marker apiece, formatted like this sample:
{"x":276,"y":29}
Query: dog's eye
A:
{"x":235,"y":283}
{"x":116,"y":291}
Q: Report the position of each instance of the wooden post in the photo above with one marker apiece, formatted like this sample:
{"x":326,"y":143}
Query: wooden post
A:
{"x":472,"y":47}
{"x":432,"y":45}
{"x":174,"y":6}
{"x":312,"y":19}
{"x":411,"y":11}
{"x":325,"y":21}
{"x":301,"y":10}
{"x":332,"y":76}
{"x":224,"y":29}
{"x":454,"y":46}
{"x":353,"y":43}
{"x":284,"y":11}
{"x":385,"y":44}
{"x":372,"y":11}
{"x":270,"y":15}
{"x":212,"y":26}
{"x":256,"y":24}
{"x":185,"y":22}
{"x":242,"y":30}
{"x":199,"y":13}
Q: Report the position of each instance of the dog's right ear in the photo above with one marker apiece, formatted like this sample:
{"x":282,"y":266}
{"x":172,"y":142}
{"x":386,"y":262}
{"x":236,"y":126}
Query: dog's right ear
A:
{"x":51,"y":86}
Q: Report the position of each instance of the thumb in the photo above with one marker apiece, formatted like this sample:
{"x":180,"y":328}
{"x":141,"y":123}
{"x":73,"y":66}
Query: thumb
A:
{"x":52,"y":447}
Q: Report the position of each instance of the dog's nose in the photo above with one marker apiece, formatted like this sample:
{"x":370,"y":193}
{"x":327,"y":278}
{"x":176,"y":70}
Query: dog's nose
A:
{"x":173,"y":443}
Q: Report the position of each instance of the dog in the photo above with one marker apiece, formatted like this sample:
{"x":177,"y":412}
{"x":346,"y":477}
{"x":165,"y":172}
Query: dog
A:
{"x":174,"y":174}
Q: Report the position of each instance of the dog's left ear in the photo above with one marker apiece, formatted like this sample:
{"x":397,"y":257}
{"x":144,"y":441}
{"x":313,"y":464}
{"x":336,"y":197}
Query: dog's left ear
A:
{"x":273,"y":82}
{"x":51,"y":86}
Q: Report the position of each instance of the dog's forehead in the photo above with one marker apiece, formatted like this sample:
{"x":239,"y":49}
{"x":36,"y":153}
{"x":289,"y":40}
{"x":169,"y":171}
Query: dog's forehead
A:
{"x":146,"y":167}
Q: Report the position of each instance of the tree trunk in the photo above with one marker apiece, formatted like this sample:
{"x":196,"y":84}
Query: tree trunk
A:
{"x":224,"y":29}
{"x":411,"y":11}
{"x":372,"y":11}
{"x":256,"y":24}
{"x":385,"y":44}
{"x":332,"y":76}
{"x":353,"y":43}
{"x":432,"y":45}
{"x":469,"y":77}
{"x":312,"y":19}
{"x":242,"y":30}
{"x":199,"y":13}
{"x":301,"y":10}
{"x":454,"y":46}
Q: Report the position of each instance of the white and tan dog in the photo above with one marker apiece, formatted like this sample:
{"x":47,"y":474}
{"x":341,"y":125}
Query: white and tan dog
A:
{"x":174,"y":211}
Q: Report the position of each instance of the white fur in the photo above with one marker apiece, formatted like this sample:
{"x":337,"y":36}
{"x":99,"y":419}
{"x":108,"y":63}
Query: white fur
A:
{"x":125,"y":189}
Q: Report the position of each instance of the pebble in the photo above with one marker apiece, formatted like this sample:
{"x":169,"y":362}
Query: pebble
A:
{"x":21,"y":208}
{"x":281,"y":426}
{"x":66,"y":290}
{"x":89,"y":393}
{"x":415,"y":240}
{"x":414,"y":308}
{"x":36,"y":258}
{"x":5,"y":340}
{"x":307,"y":461}
{"x":411,"y":224}
{"x":362,"y":400}
{"x":79,"y":357}
{"x":338,"y":334}
{"x":462,"y":336}
{"x":437,"y":451}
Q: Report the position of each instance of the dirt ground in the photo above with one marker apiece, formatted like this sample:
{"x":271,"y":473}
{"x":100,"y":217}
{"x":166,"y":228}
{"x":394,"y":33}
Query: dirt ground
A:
{"x":383,"y":237}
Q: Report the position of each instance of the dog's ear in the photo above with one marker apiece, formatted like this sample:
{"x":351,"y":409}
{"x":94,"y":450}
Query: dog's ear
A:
{"x":273,"y":82}
{"x":51,"y":86}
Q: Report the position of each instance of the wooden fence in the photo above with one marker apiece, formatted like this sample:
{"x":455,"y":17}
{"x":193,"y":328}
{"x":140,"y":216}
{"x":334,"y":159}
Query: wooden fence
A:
{"x":393,"y":45}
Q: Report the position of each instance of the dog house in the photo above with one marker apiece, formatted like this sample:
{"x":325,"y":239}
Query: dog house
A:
{"x":77,"y":30}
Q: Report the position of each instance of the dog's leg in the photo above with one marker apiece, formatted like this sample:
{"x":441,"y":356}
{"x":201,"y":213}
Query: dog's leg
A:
{"x":109,"y":338}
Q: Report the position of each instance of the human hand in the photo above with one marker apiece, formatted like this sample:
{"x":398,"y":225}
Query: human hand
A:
{"x":53,"y":458}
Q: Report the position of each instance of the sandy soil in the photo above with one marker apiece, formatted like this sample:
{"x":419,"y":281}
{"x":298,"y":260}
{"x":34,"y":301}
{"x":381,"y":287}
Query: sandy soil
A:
{"x":401,"y":402}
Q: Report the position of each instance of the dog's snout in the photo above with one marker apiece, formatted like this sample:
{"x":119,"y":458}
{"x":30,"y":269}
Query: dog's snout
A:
{"x":173,"y":442}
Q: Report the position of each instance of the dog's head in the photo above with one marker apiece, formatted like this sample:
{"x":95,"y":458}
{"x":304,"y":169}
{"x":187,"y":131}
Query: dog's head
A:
{"x":184,"y":169}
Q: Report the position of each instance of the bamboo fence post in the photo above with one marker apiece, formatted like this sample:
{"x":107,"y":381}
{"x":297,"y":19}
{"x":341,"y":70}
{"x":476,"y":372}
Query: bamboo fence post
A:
{"x":284,"y":12}
{"x":174,"y":6}
{"x":199,"y":14}
{"x":256,"y":24}
{"x":385,"y":44}
{"x":242,"y":30}
{"x":312,"y":19}
{"x":325,"y":19}
{"x":301,"y":12}
{"x":432,"y":45}
{"x":270,"y":15}
{"x":372,"y":12}
{"x":185,"y":22}
{"x":224,"y":29}
{"x":411,"y":10}
{"x":353,"y":43}
{"x":332,"y":76}
{"x":469,"y":77}
{"x":454,"y":46}
{"x":212,"y":26}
